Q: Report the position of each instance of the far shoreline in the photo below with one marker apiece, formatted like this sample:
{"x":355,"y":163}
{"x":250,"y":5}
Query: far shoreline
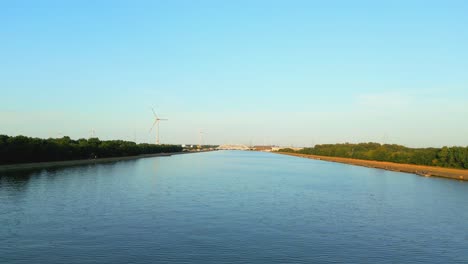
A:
{"x":67,"y":163}
{"x":421,"y":170}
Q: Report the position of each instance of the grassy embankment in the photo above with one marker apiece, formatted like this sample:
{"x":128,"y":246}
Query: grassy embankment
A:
{"x":67,"y":163}
{"x":22,"y":152}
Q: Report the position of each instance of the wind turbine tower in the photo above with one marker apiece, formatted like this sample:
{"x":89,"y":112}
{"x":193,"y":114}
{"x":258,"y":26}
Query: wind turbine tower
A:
{"x":92,"y":133}
{"x":156,"y":123}
{"x":200,"y":138}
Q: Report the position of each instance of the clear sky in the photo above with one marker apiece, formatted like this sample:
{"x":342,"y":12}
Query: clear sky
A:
{"x":251,"y":72}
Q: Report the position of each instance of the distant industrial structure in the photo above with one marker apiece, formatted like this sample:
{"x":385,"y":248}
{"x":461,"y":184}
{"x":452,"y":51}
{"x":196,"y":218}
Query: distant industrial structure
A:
{"x":233,"y":147}
{"x":271,"y":148}
{"x":254,"y":148}
{"x":262,"y":148}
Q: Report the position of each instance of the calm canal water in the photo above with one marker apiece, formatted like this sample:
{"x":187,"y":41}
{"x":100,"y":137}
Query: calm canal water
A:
{"x":230,"y":207}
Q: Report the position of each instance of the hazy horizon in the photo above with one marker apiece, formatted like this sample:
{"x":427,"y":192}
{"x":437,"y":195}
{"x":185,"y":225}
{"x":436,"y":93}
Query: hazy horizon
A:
{"x":294,"y":73}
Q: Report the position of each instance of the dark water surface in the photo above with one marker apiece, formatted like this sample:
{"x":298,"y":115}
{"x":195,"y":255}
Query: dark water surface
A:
{"x":231,"y":207}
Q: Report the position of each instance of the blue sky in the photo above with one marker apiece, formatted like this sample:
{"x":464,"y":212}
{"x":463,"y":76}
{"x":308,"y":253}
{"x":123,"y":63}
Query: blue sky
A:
{"x":262,"y":72}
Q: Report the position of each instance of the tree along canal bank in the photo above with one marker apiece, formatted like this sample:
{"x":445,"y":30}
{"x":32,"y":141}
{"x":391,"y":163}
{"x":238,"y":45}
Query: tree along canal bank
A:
{"x":66,"y":163}
{"x":427,"y":171}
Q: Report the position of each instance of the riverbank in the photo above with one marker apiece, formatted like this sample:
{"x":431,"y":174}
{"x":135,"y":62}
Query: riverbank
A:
{"x":427,"y":171}
{"x":66,"y":163}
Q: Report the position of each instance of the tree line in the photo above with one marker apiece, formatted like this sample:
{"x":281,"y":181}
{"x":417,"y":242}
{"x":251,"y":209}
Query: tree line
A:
{"x":451,"y":157}
{"x":21,"y":149}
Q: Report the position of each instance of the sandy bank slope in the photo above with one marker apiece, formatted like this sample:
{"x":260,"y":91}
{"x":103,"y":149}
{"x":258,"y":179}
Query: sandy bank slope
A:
{"x":458,"y":174}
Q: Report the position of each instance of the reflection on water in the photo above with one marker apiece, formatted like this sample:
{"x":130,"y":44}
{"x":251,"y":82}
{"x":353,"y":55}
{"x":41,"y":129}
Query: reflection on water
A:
{"x":230,"y":207}
{"x":20,"y":178}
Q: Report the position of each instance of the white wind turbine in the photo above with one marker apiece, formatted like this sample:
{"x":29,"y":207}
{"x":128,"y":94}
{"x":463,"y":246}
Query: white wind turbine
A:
{"x":156,"y":122}
{"x":201,"y":140}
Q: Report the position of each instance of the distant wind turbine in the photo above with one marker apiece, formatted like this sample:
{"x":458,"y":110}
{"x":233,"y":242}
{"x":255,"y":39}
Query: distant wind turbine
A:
{"x":201,"y":140}
{"x":92,"y":133}
{"x":156,"y":122}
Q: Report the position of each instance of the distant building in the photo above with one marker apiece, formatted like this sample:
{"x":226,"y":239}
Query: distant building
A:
{"x":233,"y":147}
{"x":262,"y":148}
{"x":278,"y":148}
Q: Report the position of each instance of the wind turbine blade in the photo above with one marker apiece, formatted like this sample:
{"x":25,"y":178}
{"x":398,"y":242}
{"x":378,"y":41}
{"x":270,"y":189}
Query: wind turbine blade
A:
{"x":163,"y":119}
{"x":155,"y":121}
{"x":154,"y":113}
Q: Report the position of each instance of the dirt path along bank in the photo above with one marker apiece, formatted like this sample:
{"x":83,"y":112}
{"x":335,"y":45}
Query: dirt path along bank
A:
{"x":457,"y":174}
